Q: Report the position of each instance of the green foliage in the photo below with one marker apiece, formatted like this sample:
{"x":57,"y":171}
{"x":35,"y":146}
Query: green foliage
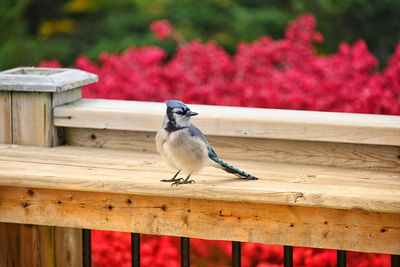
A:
{"x":11,"y":30}
{"x":35,"y":30}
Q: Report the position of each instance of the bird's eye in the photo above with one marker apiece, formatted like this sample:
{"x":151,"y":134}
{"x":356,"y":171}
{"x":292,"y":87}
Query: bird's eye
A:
{"x":179,"y":112}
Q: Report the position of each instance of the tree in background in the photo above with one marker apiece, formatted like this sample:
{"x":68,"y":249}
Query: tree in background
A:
{"x":34,"y":30}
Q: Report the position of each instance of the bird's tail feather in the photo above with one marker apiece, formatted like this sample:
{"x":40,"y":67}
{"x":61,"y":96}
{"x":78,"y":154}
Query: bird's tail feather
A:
{"x":229,"y":168}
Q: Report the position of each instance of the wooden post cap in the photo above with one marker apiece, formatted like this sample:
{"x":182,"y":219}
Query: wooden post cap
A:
{"x":32,"y":79}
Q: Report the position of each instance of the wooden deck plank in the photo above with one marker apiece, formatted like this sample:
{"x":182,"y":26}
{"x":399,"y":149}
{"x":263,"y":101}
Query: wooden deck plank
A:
{"x":104,"y":170}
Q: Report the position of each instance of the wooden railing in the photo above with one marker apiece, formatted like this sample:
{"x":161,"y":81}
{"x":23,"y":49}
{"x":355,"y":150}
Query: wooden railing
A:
{"x":327,"y":180}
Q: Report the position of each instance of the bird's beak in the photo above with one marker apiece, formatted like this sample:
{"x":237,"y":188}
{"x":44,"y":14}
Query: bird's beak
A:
{"x":193,"y":113}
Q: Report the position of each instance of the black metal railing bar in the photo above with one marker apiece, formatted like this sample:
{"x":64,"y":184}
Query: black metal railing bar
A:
{"x":236,"y":254}
{"x":185,"y":252}
{"x":135,"y":249}
{"x":87,"y":247}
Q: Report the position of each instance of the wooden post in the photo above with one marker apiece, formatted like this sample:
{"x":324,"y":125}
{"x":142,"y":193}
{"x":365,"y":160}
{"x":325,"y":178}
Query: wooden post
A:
{"x":27,"y":99}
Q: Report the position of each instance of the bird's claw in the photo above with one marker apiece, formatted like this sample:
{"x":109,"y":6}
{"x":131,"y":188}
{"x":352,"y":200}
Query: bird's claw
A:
{"x":181,"y":181}
{"x":171,"y":180}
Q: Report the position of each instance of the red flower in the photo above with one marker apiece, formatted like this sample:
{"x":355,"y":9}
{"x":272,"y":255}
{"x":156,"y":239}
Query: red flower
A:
{"x":161,"y":28}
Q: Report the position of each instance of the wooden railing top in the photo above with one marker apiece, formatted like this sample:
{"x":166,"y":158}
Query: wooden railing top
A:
{"x":236,"y":121}
{"x":104,"y":170}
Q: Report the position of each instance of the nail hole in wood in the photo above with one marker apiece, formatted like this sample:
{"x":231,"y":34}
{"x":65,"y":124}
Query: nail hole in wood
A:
{"x":25,"y":204}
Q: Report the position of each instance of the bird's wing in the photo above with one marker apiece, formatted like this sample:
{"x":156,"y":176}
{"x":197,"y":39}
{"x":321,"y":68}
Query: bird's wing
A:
{"x":194,"y":131}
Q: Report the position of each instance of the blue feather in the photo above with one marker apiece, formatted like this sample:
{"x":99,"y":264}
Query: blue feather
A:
{"x":194,"y":131}
{"x":175,"y":104}
{"x":229,"y":168}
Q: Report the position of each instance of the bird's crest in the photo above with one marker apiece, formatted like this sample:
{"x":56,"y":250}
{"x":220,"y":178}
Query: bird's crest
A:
{"x":175,"y":104}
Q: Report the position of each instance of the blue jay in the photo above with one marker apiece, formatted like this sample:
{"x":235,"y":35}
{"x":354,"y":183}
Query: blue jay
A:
{"x":184,"y":147}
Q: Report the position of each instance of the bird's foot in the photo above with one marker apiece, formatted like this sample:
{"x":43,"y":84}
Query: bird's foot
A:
{"x":172,"y":180}
{"x":181,"y":181}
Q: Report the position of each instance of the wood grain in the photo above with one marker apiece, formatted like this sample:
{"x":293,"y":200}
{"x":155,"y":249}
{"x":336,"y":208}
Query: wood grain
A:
{"x":25,"y":245}
{"x":3,"y":244}
{"x":46,"y":243}
{"x":62,"y":98}
{"x":5,"y":138}
{"x":139,"y":173}
{"x":32,"y":119}
{"x":14,"y":246}
{"x":66,"y":97}
{"x":113,"y":139}
{"x":30,"y":251}
{"x":354,"y":230}
{"x":343,"y":155}
{"x":68,"y":246}
{"x":236,"y":121}
{"x":5,"y":118}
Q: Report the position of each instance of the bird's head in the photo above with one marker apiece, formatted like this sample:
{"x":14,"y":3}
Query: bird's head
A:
{"x":178,"y":113}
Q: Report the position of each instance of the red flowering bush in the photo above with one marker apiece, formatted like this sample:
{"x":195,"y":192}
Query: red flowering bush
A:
{"x":286,"y":73}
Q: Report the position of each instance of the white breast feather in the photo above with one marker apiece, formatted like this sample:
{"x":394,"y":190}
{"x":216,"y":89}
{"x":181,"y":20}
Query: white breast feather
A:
{"x":182,"y":151}
{"x":161,"y":138}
